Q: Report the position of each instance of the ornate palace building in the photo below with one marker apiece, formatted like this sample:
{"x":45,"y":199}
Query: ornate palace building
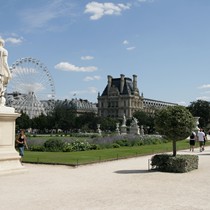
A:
{"x":121,"y":96}
{"x":79,"y":105}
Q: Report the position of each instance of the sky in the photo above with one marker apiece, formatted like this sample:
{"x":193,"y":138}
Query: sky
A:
{"x":166,"y":43}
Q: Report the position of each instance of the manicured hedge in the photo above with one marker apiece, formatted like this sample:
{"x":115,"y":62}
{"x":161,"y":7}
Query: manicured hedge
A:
{"x":175,"y":164}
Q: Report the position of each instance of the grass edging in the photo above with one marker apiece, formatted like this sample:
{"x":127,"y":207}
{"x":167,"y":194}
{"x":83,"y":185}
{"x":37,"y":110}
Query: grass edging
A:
{"x":75,"y":159}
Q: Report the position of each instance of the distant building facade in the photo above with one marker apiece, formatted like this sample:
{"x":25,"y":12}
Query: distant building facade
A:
{"x":150,"y":105}
{"x":121,"y":96}
{"x":80,"y":106}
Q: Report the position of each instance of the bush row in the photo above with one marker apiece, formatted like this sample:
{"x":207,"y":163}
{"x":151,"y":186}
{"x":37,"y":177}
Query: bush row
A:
{"x":70,"y":145}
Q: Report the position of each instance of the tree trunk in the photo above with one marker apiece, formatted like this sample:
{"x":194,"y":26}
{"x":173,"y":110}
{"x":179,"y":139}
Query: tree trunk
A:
{"x":174,"y":148}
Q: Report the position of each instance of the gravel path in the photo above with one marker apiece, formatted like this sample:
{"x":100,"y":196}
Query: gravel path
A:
{"x":116,"y":185}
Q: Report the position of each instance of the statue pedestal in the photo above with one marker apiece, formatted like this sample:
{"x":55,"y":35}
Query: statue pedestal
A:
{"x":123,"y":130}
{"x":134,"y":130}
{"x":9,"y":157}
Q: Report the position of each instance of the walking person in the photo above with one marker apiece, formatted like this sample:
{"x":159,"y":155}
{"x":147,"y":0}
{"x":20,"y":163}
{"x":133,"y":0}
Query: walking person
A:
{"x":205,"y":138}
{"x":201,"y":138}
{"x":22,"y":143}
{"x":192,"y":141}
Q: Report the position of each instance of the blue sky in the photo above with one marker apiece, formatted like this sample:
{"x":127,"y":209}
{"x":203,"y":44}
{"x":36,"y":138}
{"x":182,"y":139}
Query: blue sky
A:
{"x":166,"y":43}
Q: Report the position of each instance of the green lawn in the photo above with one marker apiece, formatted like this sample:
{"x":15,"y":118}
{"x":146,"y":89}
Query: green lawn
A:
{"x":93,"y":156}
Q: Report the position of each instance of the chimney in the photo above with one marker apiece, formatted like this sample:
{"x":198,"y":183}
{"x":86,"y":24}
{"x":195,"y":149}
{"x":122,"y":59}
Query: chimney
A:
{"x":122,"y":82}
{"x":134,"y":82}
{"x":109,"y":81}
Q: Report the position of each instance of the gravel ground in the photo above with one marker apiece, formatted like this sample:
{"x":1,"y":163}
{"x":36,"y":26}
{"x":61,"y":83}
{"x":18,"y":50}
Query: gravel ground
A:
{"x":116,"y":185}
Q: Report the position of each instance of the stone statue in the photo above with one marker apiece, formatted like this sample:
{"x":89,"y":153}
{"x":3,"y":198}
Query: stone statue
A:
{"x":134,"y":128}
{"x":124,"y":120}
{"x":5,"y":74}
{"x":134,"y":122}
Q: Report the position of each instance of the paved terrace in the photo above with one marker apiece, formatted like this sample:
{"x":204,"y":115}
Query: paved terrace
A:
{"x":116,"y":185}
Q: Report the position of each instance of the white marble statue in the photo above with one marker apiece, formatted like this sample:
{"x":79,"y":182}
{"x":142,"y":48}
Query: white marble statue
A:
{"x":124,"y":120}
{"x":5,"y":74}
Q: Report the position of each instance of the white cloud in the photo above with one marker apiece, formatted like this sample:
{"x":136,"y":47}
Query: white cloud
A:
{"x":14,"y":40}
{"x":88,"y":78}
{"x":40,"y":17}
{"x":65,"y":66}
{"x":125,"y":42}
{"x":182,"y":103}
{"x":130,"y":48}
{"x":142,"y":1}
{"x":204,"y":86}
{"x":204,"y":98}
{"x":30,"y":87}
{"x":98,"y":10}
{"x":87,"y":57}
{"x":89,"y":90}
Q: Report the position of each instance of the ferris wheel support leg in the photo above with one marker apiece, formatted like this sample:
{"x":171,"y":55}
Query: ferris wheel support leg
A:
{"x":9,"y":157}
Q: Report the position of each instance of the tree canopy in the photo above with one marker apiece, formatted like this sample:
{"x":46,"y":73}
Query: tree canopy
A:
{"x":201,"y":108}
{"x":175,"y":122}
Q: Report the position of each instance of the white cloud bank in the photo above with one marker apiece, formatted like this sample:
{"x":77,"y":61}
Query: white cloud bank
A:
{"x":14,"y":40}
{"x":98,"y":10}
{"x":204,"y":86}
{"x":88,"y":78}
{"x":65,"y":66}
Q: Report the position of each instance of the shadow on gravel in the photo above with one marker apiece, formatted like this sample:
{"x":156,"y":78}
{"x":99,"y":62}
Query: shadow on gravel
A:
{"x":201,"y":154}
{"x":133,"y":171}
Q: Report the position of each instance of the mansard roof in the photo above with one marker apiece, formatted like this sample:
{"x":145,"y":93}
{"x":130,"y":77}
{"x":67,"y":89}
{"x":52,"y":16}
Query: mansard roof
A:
{"x":77,"y":104}
{"x":116,"y":82}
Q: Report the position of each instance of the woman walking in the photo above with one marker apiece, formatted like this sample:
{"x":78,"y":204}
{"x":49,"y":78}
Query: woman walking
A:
{"x":192,"y":141}
{"x":21,"y":141}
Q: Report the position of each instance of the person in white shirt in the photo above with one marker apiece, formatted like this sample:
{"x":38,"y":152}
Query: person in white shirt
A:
{"x":201,"y":139}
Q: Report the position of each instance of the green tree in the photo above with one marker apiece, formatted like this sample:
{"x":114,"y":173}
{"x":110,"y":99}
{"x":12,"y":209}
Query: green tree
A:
{"x":63,"y":117}
{"x":41,"y":122}
{"x":175,"y":122}
{"x":108,"y":123}
{"x":23,"y":122}
{"x":200,"y":109}
{"x":145,"y":119}
{"x":87,"y":121}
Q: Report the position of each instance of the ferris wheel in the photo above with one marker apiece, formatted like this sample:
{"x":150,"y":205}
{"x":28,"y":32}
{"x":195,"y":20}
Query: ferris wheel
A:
{"x":31,"y":89}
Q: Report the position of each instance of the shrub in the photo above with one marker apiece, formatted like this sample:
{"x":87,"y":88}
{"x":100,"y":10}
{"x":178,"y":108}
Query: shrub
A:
{"x":115,"y":145}
{"x":140,"y":142}
{"x":123,"y":142}
{"x":37,"y":148}
{"x":80,"y":145}
{"x":54,"y":145}
{"x":128,"y":140}
{"x":67,"y":147}
{"x":176,"y":164}
{"x":94,"y":147}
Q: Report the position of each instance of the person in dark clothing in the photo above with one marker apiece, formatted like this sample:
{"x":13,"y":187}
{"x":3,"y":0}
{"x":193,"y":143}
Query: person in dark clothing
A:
{"x":22,"y":143}
{"x":192,"y":141}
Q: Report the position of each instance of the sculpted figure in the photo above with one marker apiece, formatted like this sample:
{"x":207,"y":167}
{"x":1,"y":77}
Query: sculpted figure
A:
{"x":124,"y":120}
{"x":5,"y":74}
